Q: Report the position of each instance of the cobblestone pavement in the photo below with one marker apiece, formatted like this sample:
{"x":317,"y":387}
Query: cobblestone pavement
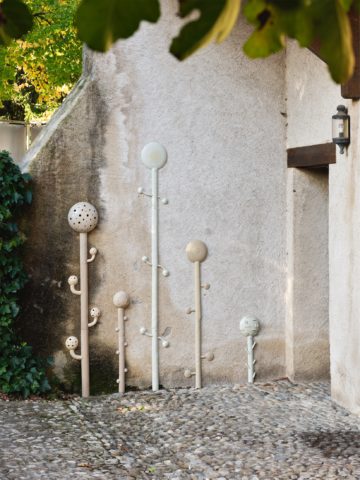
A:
{"x":266,"y":431}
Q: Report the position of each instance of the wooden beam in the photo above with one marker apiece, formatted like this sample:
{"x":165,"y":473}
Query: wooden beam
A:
{"x":351,"y":89}
{"x":313,"y":156}
{"x":315,"y":49}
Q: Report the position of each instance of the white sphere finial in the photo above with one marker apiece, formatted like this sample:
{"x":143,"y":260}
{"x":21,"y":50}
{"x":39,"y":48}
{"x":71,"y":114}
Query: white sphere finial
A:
{"x":154,"y":155}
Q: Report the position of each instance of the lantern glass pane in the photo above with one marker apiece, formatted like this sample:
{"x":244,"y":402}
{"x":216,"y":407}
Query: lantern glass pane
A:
{"x":340,"y":128}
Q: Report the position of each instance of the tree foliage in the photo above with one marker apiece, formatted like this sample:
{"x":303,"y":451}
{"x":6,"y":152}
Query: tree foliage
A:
{"x":38,"y":71}
{"x":20,"y":371}
{"x":307,"y":21}
{"x":48,"y":61}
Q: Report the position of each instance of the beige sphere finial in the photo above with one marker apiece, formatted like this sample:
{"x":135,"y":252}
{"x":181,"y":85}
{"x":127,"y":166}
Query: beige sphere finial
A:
{"x":196,"y":251}
{"x":121,"y":299}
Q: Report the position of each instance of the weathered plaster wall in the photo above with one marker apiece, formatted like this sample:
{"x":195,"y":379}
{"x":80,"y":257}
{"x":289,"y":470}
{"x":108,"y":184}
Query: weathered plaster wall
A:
{"x":16,"y":138}
{"x":311,"y":96}
{"x":311,"y":101}
{"x":307,"y":325}
{"x":345,"y":271}
{"x":13,"y":139}
{"x":220,"y":116}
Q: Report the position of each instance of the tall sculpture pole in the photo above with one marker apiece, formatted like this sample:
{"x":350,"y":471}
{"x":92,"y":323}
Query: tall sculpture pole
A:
{"x":121,"y":301}
{"x":250,"y":327}
{"x":154,"y":157}
{"x":83,"y":218}
{"x":197,"y":253}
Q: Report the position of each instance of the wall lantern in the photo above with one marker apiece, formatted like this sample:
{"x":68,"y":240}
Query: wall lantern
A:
{"x":341,"y":128}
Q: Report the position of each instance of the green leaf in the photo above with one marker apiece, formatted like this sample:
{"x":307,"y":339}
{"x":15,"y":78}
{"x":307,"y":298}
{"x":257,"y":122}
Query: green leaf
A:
{"x":15,"y":20}
{"x":267,"y":38}
{"x":346,"y":4}
{"x":274,"y":22}
{"x":28,"y":196}
{"x":20,"y":370}
{"x":26,"y":177}
{"x":335,"y":48}
{"x":101,"y":22}
{"x":306,"y":21}
{"x":215,"y":23}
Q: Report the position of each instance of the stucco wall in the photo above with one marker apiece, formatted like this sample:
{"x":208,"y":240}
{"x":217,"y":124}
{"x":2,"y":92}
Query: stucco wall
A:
{"x":312,"y":98}
{"x":345,"y":272}
{"x":16,"y":138}
{"x":221,"y":117}
{"x":307,"y":319}
{"x":318,"y":97}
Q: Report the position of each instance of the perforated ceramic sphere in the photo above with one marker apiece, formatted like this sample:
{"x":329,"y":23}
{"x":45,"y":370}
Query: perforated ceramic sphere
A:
{"x":154,"y":155}
{"x":121,"y":299}
{"x":73,"y":280}
{"x":95,"y":312}
{"x":249,"y":326}
{"x":196,"y":251}
{"x":71,"y":343}
{"x":83,"y":217}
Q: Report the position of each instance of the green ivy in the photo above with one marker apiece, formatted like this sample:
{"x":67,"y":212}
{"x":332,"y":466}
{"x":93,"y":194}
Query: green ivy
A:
{"x":20,"y":371}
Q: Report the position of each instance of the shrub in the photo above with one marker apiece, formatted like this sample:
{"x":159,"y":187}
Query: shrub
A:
{"x":20,"y":371}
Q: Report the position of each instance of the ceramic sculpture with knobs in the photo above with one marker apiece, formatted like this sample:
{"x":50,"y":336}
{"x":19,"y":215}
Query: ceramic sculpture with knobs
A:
{"x":83,"y":218}
{"x":197,"y":252}
{"x":154,"y":157}
{"x":250,"y":327}
{"x":121,"y":300}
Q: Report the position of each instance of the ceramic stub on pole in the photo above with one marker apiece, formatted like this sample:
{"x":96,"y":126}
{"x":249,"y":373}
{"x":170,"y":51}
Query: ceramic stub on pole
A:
{"x":83,"y":218}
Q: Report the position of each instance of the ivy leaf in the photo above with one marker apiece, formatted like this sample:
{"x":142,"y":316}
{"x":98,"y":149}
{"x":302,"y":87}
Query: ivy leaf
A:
{"x":15,"y":20}
{"x":101,"y":22}
{"x":215,"y":23}
{"x":28,"y":196}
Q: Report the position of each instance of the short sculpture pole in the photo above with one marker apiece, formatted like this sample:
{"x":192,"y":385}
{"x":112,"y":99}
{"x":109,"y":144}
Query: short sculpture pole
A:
{"x":121,"y":301}
{"x":197,"y":253}
{"x":250,"y":327}
{"x":154,"y":157}
{"x":83,"y":218}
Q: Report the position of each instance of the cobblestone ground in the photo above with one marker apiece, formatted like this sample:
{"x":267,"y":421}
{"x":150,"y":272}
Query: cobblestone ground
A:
{"x":267,"y":431}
